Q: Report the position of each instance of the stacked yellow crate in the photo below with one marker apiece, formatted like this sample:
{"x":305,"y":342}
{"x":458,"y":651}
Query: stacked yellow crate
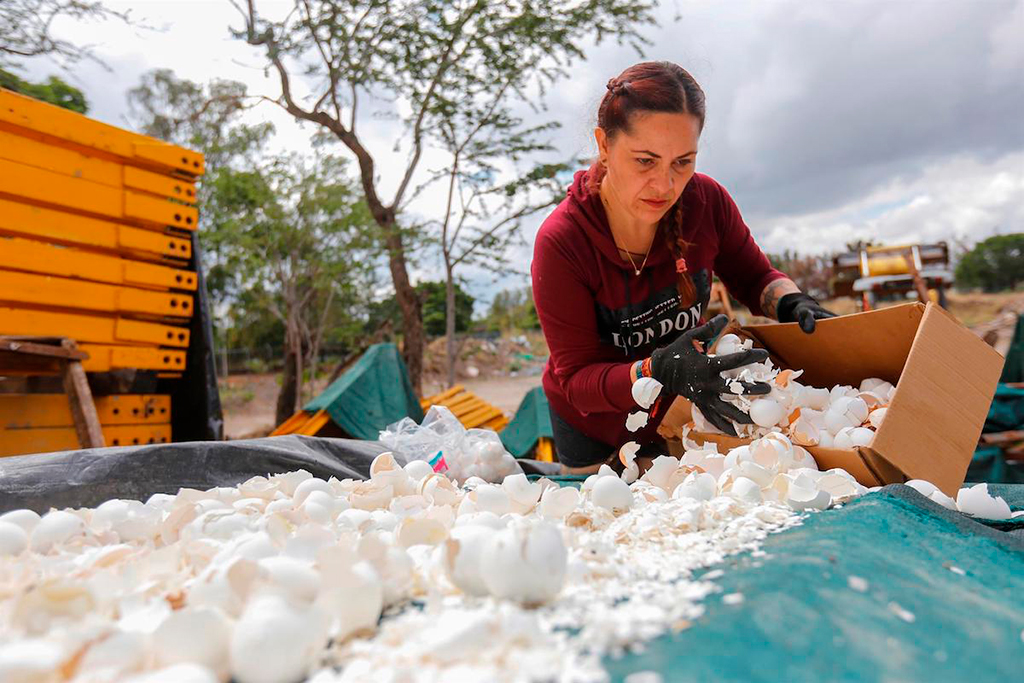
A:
{"x":95,"y":245}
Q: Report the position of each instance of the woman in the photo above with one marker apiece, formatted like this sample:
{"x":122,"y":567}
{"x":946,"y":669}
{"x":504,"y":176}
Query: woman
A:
{"x":622,"y":271}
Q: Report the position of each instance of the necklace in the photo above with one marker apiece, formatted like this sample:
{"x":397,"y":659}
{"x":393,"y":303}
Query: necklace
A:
{"x":629,"y":255}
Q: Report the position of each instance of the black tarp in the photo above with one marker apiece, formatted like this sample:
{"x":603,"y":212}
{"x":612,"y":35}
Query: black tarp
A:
{"x":86,"y":478}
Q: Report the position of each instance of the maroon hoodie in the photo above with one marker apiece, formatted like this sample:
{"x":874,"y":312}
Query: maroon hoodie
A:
{"x":599,"y":317}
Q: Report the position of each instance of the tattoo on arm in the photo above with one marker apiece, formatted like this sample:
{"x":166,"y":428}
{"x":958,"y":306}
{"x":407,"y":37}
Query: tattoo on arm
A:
{"x":775,"y":290}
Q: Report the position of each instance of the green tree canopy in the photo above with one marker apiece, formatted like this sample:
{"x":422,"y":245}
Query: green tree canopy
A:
{"x":432,"y":306}
{"x":52,"y":90}
{"x":994,"y":264}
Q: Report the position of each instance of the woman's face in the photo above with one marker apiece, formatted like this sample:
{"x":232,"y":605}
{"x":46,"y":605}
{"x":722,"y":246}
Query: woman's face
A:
{"x":649,"y":165}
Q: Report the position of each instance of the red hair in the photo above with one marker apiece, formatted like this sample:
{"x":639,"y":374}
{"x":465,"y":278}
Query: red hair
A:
{"x":653,"y":87}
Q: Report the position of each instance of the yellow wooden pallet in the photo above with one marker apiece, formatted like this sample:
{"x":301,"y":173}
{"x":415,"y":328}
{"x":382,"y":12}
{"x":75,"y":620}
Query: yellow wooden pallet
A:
{"x":50,"y":439}
{"x":76,"y":164}
{"x":59,"y":292}
{"x":61,"y":126}
{"x":97,"y":328}
{"x":471,"y":410}
{"x":61,"y":227}
{"x":104,"y":358}
{"x":34,"y":411}
{"x":49,"y":259}
{"x":303,"y":422}
{"x":77,"y":194}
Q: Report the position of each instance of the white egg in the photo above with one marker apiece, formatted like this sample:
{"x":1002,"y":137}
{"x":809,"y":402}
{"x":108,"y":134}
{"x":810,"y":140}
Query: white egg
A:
{"x":55,"y":528}
{"x":276,"y":642}
{"x":558,"y":502}
{"x":179,"y":673}
{"x":13,"y":539}
{"x":292,"y":578}
{"x":418,"y":470}
{"x":307,"y":486}
{"x":193,"y":635}
{"x":525,"y":563}
{"x":746,"y":490}
{"x":462,"y":558}
{"x":26,"y":519}
{"x":766,"y":412}
{"x":352,"y":598}
{"x":611,"y":493}
{"x":491,"y":498}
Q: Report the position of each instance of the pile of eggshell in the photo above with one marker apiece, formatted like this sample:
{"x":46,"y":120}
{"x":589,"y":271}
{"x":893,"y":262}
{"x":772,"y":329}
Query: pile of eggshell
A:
{"x":840,"y":417}
{"x":287,"y":576}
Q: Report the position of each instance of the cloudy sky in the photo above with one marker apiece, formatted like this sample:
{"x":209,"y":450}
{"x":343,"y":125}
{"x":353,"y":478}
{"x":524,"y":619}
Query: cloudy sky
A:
{"x":900,"y":120}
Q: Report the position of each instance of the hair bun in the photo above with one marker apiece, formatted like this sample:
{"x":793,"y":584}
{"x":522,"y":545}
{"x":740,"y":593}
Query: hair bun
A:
{"x":617,"y":87}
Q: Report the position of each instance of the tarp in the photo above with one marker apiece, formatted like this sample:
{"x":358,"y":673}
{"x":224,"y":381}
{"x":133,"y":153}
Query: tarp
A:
{"x":1013,"y":370}
{"x":944,"y":601}
{"x":88,"y":477}
{"x":372,"y":394}
{"x":531,"y":421}
{"x":1005,"y":414}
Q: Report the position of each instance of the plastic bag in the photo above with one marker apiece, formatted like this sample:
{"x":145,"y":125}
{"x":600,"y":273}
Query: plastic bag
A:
{"x":449,"y":447}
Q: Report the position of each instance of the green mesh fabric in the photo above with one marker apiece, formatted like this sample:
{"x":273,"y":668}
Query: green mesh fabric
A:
{"x":372,"y":394}
{"x":801,"y":621}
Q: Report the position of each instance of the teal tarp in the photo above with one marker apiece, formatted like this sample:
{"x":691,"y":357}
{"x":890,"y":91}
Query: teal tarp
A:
{"x":1013,"y":369}
{"x":801,"y":621}
{"x":532,"y":421}
{"x":1005,"y":414}
{"x":372,"y":394}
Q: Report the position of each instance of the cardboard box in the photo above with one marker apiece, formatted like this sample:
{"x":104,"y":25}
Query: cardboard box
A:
{"x":945,"y":379}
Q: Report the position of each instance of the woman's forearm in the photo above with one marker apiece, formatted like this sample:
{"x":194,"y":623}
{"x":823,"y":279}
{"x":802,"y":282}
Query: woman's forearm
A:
{"x":771,"y":294}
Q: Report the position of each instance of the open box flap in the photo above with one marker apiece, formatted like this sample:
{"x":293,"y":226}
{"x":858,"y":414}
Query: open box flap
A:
{"x":947,"y":385}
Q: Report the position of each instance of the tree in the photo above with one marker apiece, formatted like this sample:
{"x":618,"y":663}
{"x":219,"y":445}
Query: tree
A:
{"x":207,"y":118}
{"x":812,"y":274}
{"x":512,"y":310}
{"x":995,"y":264}
{"x":433,"y":305}
{"x":435,"y":61}
{"x":304,"y":245}
{"x":26,"y":29}
{"x":53,"y":90}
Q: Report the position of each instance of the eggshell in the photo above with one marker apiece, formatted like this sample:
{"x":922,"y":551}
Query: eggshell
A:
{"x":766,"y":412}
{"x":558,"y":502}
{"x":977,"y":502}
{"x":13,"y":539}
{"x":418,"y":470}
{"x":611,"y":493}
{"x":645,"y":390}
{"x":462,"y":553}
{"x":525,"y":563}
{"x":352,"y":598}
{"x":746,"y":490}
{"x":274,"y":641}
{"x":55,"y":528}
{"x":661,"y":470}
{"x":307,"y":486}
{"x":26,"y":519}
{"x":193,"y":635}
{"x":179,"y":673}
{"x":522,"y":493}
{"x":636,"y":420}
{"x":420,"y":531}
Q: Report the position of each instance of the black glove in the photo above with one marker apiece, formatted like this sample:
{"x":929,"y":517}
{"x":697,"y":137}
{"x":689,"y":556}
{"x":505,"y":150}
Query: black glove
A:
{"x":797,"y":307}
{"x":686,"y":371}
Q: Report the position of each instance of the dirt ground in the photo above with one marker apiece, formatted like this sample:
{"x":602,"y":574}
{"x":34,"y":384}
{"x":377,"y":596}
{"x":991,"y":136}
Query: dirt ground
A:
{"x":501,"y":372}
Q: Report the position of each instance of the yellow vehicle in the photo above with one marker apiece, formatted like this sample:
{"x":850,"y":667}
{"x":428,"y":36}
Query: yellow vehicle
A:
{"x":98,"y":253}
{"x":877,"y":272}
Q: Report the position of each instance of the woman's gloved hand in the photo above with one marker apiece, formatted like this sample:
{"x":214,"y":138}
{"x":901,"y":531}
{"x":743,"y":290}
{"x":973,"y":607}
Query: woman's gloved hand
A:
{"x":686,"y":371}
{"x":797,"y":307}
